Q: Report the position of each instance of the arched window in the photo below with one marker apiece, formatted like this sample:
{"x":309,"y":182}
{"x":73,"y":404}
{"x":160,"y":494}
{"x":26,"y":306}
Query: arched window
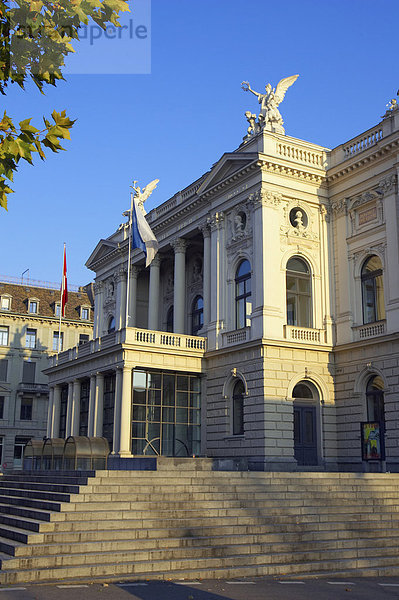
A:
{"x":238,"y":408}
{"x":197,"y":315}
{"x":372,"y":290}
{"x":111,"y":324}
{"x":243,"y":295}
{"x":299,"y":293}
{"x":169,"y":320}
{"x":375,"y":399}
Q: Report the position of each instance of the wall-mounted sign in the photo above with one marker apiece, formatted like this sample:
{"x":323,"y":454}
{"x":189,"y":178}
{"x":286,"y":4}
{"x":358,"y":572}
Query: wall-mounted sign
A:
{"x":372,"y":435}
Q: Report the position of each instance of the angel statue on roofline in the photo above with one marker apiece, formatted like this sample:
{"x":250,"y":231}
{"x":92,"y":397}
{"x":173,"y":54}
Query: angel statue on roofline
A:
{"x":269,"y":102}
{"x":143,"y":194}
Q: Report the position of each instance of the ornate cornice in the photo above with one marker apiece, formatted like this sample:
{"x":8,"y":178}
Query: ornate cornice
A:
{"x":297,"y":173}
{"x":363,"y":161}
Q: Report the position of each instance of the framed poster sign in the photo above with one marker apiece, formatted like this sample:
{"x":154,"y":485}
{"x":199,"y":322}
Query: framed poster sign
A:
{"x":372,"y":435}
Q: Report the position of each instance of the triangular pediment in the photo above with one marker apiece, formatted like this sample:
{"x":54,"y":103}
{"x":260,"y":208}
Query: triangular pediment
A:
{"x":103,"y":248}
{"x":228,"y":165}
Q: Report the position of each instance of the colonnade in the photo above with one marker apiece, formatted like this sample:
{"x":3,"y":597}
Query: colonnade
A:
{"x":122,"y":409}
{"x":128,"y":317}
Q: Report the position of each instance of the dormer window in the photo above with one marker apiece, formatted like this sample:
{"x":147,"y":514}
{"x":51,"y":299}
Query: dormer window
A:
{"x":33,"y":306}
{"x":5,"y":303}
{"x":84,"y":313}
{"x":57,"y":310}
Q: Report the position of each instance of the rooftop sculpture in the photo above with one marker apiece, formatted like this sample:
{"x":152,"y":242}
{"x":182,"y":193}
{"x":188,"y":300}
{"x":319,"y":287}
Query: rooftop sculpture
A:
{"x":269,"y":117}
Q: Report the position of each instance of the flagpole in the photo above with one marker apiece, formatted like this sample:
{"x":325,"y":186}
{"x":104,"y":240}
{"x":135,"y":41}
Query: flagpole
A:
{"x":61,"y":295}
{"x":128,"y":260}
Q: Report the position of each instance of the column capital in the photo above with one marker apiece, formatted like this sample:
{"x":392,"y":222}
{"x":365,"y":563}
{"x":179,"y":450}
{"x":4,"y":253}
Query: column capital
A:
{"x":216,"y":221}
{"x":121,"y":275}
{"x":156,"y":262}
{"x":179,"y":245}
{"x":134,"y":272}
{"x":98,"y":287}
{"x":205,"y":229}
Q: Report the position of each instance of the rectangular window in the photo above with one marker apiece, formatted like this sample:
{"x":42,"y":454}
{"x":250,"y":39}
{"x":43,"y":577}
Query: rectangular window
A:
{"x":2,"y":401}
{"x":3,"y":336}
{"x":1,"y":450}
{"x":26,"y":409}
{"x":5,"y":303}
{"x":19,"y":446}
{"x":56,"y":336}
{"x":63,"y":410}
{"x":57,"y":310}
{"x":84,"y":406}
{"x":33,"y":307}
{"x":30,"y":340}
{"x":83,"y":338}
{"x":28,"y":372}
{"x":84,"y":314}
{"x":3,"y":369}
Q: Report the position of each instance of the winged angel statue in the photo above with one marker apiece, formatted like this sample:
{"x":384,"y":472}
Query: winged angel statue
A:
{"x":143,"y":194}
{"x":269,"y":103}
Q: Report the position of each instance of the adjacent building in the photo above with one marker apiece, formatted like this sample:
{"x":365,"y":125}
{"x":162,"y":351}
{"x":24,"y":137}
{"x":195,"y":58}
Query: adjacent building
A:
{"x":29,"y":334}
{"x":266,"y":330}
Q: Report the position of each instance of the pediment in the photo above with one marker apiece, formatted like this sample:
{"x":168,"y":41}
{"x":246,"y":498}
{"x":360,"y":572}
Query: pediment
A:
{"x":103,"y":248}
{"x":4,"y":389}
{"x":228,"y":165}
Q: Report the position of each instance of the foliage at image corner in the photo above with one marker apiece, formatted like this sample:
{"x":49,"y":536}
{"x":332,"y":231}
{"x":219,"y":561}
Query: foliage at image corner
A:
{"x":35,"y":38}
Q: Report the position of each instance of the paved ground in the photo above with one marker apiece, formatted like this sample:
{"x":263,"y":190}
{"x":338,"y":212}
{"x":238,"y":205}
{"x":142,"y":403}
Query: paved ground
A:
{"x":250,"y":589}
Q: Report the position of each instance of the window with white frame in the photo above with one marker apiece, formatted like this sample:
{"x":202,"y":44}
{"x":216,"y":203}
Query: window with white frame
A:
{"x":299,"y":293}
{"x":3,"y":335}
{"x":30,"y":339}
{"x":84,"y":313}
{"x":243,"y":295}
{"x":5,"y":303}
{"x":57,"y":310}
{"x":58,"y":343}
{"x":33,"y":306}
{"x":372,"y":290}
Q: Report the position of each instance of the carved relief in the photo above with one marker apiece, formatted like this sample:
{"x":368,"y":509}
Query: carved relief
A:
{"x":216,"y":221}
{"x":265,"y":198}
{"x":340,"y":207}
{"x":298,"y":222}
{"x":367,"y":209}
{"x":239,"y":227}
{"x":388,"y":184}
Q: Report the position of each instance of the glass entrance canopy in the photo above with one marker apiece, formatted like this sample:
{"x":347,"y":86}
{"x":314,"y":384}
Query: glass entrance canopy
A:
{"x":166,"y":413}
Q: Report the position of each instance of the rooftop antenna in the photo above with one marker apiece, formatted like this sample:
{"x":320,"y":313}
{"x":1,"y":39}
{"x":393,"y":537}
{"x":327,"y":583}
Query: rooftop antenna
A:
{"x":22,"y":276}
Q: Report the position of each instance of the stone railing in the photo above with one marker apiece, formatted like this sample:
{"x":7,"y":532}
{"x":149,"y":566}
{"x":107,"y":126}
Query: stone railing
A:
{"x":304,"y":155}
{"x":32,"y":388}
{"x":236,"y":337}
{"x":133,"y":336}
{"x":146,"y":337}
{"x":363,"y":332}
{"x":362,"y":142}
{"x":305,"y":334}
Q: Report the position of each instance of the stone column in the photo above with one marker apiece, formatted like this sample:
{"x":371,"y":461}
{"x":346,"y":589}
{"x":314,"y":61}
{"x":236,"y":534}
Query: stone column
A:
{"x":134,"y":273}
{"x":179,"y":299}
{"x":98,"y":309}
{"x":218,"y":279}
{"x":207,"y":274}
{"x":68,"y":425}
{"x":92,"y":402}
{"x":50,"y":412}
{"x":125,"y":414}
{"x":120,"y":309}
{"x":55,"y":432}
{"x":153,"y":296}
{"x":117,"y":410}
{"x":76,"y":407}
{"x":99,"y":406}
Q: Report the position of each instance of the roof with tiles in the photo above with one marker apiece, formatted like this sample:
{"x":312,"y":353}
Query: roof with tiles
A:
{"x":47,"y":300}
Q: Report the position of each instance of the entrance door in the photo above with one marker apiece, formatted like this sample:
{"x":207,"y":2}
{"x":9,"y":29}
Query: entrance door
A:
{"x":305,"y":442}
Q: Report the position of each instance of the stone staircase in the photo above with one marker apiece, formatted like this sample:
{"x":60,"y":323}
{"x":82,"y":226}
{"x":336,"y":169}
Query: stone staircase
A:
{"x":185,"y":521}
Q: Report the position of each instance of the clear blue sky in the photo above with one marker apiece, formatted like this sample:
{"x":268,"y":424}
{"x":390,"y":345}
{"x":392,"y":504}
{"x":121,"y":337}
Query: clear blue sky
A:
{"x":175,"y":122}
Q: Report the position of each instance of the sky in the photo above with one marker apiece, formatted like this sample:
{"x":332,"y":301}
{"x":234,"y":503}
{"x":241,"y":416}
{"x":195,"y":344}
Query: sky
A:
{"x":166,"y":102}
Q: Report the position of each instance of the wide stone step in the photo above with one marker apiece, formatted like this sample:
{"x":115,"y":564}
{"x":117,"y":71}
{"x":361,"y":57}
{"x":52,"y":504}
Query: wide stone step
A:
{"x":213,"y":568}
{"x":23,"y":511}
{"x":35,"y":494}
{"x":30,"y":503}
{"x":34,"y":486}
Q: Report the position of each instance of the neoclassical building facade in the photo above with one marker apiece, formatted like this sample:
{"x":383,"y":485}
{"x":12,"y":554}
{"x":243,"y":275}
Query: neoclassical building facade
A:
{"x":265,"y":331}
